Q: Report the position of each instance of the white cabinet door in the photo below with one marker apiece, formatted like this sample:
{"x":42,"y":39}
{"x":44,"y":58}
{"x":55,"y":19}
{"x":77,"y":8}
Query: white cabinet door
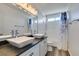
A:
{"x":43,"y":48}
{"x":36,"y":50}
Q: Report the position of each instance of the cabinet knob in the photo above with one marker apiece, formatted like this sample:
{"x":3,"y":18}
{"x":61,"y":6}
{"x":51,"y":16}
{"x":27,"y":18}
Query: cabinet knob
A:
{"x":44,"y":41}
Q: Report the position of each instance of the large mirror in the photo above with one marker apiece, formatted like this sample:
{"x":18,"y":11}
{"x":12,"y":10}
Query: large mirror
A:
{"x":13,"y":18}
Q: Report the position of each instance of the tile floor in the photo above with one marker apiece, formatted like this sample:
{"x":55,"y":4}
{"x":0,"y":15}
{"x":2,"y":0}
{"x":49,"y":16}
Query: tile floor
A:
{"x":57,"y":52}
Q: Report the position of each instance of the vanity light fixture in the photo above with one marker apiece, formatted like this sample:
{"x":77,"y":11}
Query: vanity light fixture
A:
{"x":27,"y":7}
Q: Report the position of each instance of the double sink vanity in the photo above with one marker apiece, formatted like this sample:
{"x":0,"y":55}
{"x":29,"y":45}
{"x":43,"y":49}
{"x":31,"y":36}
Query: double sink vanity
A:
{"x":23,"y":46}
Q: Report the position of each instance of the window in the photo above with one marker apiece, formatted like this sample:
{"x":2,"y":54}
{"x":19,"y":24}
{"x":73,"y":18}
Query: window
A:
{"x":40,"y":21}
{"x":36,"y":21}
{"x":53,"y":19}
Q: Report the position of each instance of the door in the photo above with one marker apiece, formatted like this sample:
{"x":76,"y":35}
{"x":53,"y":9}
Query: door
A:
{"x":54,"y":29}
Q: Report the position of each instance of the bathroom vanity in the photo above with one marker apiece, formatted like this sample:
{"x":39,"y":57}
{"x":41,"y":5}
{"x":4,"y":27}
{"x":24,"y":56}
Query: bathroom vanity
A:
{"x":37,"y":48}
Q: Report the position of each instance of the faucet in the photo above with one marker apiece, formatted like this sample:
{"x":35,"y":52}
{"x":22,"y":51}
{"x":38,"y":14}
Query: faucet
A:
{"x":12,"y":33}
{"x":16,"y":33}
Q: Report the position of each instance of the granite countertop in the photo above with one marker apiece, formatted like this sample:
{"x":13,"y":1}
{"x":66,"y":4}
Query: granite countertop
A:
{"x":9,"y":50}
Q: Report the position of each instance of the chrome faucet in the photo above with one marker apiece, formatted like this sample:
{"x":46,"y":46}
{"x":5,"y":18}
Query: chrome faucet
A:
{"x":12,"y":33}
{"x":16,"y":33}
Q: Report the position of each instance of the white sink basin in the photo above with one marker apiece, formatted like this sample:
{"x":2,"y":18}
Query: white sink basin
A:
{"x":20,"y":41}
{"x":38,"y":35}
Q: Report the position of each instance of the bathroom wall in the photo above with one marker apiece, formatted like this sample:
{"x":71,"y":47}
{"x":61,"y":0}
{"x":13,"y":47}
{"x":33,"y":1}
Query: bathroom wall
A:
{"x":1,"y":24}
{"x":73,"y":42}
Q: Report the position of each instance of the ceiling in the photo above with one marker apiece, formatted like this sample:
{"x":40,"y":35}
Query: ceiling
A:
{"x":49,"y":8}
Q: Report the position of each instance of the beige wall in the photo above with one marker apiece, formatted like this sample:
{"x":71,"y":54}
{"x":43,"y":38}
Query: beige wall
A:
{"x":73,"y":42}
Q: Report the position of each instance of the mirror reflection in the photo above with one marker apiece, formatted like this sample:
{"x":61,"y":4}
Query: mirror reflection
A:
{"x":13,"y":20}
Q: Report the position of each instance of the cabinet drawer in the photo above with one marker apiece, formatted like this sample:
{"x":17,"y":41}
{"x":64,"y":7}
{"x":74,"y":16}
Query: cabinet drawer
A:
{"x":34,"y":51}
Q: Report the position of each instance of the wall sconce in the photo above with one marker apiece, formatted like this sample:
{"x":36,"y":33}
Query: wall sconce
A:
{"x":28,"y":7}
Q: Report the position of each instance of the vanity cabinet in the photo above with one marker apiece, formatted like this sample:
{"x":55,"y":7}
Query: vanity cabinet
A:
{"x":40,"y":49}
{"x":34,"y":51}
